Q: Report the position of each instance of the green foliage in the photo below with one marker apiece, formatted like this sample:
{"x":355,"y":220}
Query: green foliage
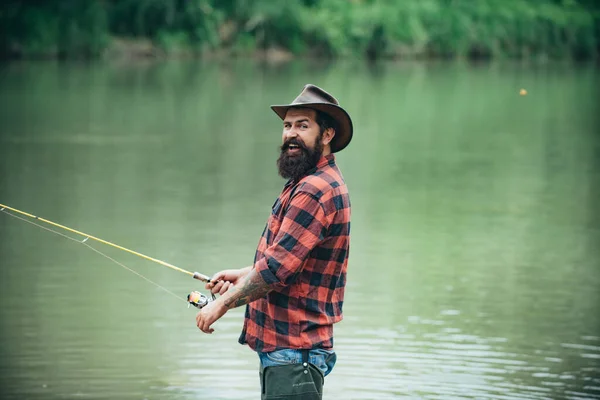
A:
{"x":173,"y":42}
{"x":345,"y":28}
{"x":53,"y":28}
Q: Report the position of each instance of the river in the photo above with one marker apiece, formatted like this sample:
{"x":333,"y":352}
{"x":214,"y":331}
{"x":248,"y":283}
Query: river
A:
{"x":475,"y":255}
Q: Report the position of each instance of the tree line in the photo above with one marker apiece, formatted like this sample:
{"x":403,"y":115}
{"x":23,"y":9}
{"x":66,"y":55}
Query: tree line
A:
{"x":322,"y":28}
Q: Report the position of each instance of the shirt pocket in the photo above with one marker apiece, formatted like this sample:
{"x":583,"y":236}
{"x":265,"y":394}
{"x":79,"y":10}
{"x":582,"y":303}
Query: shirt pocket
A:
{"x":275,"y":220}
{"x":276,"y":208}
{"x":274,"y":225}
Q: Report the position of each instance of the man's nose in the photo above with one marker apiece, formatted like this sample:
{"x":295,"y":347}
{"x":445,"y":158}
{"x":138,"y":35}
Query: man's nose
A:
{"x":290,"y":133}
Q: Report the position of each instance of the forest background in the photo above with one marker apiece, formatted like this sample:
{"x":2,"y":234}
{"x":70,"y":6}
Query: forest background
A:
{"x":392,"y":29}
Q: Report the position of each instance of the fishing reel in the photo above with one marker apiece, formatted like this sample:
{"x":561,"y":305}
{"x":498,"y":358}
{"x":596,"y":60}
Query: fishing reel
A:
{"x":198,"y":300}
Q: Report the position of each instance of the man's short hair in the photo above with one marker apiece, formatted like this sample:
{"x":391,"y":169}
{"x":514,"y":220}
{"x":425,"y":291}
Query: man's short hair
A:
{"x":325,"y":121}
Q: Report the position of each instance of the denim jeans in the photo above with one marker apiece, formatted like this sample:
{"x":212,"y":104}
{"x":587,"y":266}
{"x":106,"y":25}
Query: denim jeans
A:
{"x":320,"y":358}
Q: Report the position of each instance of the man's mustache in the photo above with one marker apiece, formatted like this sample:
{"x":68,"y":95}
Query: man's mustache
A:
{"x":296,"y":142}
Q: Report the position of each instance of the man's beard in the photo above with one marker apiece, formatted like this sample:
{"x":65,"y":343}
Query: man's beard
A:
{"x":296,"y":166}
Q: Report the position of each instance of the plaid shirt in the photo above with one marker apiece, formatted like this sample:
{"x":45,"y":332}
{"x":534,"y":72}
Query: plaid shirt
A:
{"x":303,"y":256}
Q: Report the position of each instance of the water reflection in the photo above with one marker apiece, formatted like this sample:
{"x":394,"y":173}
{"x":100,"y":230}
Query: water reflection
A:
{"x":474,"y":261}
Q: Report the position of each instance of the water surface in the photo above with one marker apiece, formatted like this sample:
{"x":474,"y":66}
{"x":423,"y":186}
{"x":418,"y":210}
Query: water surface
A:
{"x":474,"y":263}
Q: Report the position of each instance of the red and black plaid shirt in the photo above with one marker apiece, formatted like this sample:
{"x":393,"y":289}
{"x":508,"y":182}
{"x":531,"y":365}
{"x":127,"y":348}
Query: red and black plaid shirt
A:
{"x":303,"y":255}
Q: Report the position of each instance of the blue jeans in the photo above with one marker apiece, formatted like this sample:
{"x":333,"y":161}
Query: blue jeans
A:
{"x":320,"y":358}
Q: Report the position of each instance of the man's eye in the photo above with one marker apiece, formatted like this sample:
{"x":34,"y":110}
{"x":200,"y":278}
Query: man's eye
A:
{"x":304,"y":126}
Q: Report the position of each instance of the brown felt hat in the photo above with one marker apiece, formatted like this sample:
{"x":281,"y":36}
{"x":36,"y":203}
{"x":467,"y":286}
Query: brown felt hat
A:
{"x":316,"y":98}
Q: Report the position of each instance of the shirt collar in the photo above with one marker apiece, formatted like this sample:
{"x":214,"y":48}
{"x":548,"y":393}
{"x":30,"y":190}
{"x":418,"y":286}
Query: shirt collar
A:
{"x":329,"y":159}
{"x":324,"y":160}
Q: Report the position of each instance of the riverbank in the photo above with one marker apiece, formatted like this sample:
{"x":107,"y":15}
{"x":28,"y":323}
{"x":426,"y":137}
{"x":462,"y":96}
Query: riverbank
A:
{"x":377,"y":29}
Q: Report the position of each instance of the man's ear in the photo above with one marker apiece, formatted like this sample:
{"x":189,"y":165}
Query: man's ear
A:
{"x":328,"y":136}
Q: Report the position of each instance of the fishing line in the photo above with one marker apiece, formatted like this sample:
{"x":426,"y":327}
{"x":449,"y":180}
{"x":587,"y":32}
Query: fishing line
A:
{"x":195,"y":275}
{"x":83,"y":242}
{"x":195,"y":298}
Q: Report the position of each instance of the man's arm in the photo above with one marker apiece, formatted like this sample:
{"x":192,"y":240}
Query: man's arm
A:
{"x":223,"y":280}
{"x":303,"y":227}
{"x":253,"y":287}
{"x":301,"y":230}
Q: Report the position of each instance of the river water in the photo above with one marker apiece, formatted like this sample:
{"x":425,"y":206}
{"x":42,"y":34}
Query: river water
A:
{"x":474,"y":266}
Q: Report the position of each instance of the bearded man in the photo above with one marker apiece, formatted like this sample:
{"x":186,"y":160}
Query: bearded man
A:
{"x":294,"y":291}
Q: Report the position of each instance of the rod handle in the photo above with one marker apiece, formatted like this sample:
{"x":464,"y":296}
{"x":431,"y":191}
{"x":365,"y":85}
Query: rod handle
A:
{"x":201,"y":277}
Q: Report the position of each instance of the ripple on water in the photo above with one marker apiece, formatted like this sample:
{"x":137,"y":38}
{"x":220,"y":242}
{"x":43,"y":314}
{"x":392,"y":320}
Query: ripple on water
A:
{"x":449,"y":364}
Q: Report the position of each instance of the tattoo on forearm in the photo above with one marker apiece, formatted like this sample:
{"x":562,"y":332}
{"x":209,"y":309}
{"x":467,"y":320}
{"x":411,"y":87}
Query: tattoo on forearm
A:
{"x":253,"y":287}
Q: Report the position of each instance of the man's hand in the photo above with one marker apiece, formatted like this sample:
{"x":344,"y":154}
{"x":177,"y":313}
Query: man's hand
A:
{"x":222,"y":281}
{"x":209,"y":314}
{"x":249,"y":287}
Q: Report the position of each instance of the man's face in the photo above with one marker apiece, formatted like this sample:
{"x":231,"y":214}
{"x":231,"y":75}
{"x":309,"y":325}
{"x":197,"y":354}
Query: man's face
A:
{"x":300,"y":126}
{"x":302,"y":144}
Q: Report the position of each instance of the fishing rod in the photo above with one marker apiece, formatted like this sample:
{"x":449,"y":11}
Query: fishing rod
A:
{"x":195,"y":298}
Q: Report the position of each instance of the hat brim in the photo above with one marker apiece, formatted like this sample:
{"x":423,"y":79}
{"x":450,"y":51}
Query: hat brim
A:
{"x":343,"y":134}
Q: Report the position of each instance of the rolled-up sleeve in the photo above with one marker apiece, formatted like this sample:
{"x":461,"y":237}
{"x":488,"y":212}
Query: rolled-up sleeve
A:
{"x":303,"y":227}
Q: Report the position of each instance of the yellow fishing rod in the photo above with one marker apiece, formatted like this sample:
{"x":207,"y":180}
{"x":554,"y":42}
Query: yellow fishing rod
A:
{"x":195,"y":298}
